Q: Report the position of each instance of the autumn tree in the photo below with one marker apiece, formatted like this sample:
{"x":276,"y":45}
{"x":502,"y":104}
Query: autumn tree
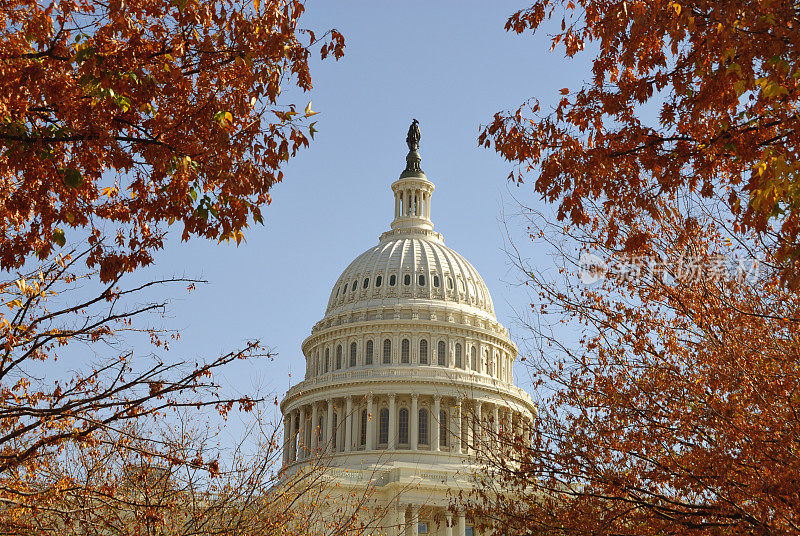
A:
{"x":673,"y":408}
{"x":697,"y":95}
{"x":120,"y":122}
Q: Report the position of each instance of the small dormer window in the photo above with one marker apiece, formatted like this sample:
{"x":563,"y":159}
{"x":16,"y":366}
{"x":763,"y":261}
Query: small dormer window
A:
{"x":449,"y":283}
{"x":392,"y":280}
{"x":421,"y":280}
{"x":378,"y":281}
{"x":407,"y":279}
{"x":344,"y":290}
{"x":355,"y":284}
{"x":366,"y":282}
{"x":436,"y":281}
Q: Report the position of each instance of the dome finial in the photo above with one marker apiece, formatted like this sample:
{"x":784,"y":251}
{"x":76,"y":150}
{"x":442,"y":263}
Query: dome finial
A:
{"x":413,"y":159}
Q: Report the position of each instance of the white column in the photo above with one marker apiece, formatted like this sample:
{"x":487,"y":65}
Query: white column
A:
{"x":456,"y":428}
{"x":392,"y":422}
{"x":329,"y":427}
{"x":314,"y":428}
{"x":479,"y":431}
{"x":449,"y":528}
{"x":414,"y":514}
{"x":302,"y":447}
{"x":348,"y":424}
{"x":292,"y":441}
{"x":370,"y":424}
{"x":414,"y":421}
{"x":427,"y":197}
{"x":437,"y":407}
{"x":286,"y":435}
{"x":401,"y":519}
{"x":461,"y":526}
{"x":496,"y":426}
{"x":469,"y":425}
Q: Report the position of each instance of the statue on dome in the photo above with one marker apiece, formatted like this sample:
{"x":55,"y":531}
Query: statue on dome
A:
{"x":412,"y":139}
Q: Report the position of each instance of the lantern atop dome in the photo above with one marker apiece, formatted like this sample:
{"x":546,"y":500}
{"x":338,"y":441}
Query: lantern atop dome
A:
{"x":413,"y":190}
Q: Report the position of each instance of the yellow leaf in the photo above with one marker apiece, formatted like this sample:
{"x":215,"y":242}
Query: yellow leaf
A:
{"x":228,"y":117}
{"x":677,"y":8}
{"x":256,"y":4}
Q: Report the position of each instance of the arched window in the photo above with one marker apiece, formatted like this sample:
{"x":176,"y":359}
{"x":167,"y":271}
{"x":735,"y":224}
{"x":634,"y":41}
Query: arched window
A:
{"x":363,"y":434}
{"x":442,"y":353}
{"x":423,"y":427}
{"x":443,"y":428}
{"x":473,"y":358}
{"x":370,"y":351}
{"x":320,"y":428}
{"x":489,"y":363}
{"x":353,"y":354}
{"x":421,"y":280}
{"x":458,"y":355}
{"x":423,"y":352}
{"x":344,"y":289}
{"x":383,"y":434}
{"x":402,"y":426}
{"x":335,"y":425}
{"x":387,"y":351}
{"x":338,"y":357}
{"x":366,"y":282}
{"x":407,"y":279}
{"x":392,"y":280}
{"x":316,"y":362}
{"x":449,"y":283}
{"x":405,"y":351}
{"x":327,"y":359}
{"x":353,"y":288}
{"x":436,"y":281}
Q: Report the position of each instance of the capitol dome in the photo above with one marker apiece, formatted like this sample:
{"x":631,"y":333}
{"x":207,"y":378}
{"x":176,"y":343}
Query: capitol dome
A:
{"x":408,"y":375}
{"x":409,"y":267}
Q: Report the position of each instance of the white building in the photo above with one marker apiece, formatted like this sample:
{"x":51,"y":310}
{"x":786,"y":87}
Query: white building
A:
{"x":408,"y":369}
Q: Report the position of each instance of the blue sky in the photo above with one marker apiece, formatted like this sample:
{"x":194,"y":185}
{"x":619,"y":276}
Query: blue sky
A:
{"x":448,"y":64}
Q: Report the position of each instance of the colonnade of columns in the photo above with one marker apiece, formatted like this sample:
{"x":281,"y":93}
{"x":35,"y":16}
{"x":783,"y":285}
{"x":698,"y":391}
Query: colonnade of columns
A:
{"x":439,"y":520}
{"x":412,"y":202}
{"x":394,"y":421}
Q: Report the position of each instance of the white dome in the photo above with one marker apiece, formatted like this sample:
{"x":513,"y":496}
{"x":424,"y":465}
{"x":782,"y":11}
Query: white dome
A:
{"x":407,"y":267}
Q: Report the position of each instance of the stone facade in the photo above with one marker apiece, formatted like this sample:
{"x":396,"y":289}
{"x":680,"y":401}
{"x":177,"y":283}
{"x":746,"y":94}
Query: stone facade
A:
{"x":407,"y":376}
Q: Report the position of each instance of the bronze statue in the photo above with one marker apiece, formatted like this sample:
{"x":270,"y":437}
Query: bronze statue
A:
{"x":412,"y":139}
